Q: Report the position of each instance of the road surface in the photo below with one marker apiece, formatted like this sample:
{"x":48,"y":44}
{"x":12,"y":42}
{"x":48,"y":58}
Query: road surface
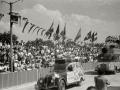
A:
{"x":89,"y":81}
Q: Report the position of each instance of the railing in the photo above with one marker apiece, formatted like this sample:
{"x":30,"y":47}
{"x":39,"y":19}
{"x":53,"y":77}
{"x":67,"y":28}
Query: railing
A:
{"x":18,"y":78}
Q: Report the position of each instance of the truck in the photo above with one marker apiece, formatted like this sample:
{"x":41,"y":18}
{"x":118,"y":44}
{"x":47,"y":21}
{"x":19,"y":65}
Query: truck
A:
{"x":109,"y":60}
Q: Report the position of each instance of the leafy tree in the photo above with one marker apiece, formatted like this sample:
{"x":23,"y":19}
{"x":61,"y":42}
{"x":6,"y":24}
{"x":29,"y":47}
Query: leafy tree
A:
{"x":5,"y":37}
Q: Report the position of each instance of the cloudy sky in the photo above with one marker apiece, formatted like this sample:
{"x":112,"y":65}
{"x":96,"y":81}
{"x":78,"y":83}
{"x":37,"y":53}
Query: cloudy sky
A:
{"x":101,"y":16}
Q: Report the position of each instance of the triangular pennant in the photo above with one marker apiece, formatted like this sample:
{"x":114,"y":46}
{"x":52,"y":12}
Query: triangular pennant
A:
{"x":36,"y":28}
{"x":25,"y":26}
{"x":31,"y":27}
{"x":39,"y":30}
{"x":42,"y":31}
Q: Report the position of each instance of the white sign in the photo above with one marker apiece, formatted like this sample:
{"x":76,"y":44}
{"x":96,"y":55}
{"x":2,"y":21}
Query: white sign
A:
{"x":116,"y":51}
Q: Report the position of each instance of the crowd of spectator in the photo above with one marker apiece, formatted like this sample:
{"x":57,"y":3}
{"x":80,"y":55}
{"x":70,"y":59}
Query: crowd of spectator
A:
{"x":27,"y":58}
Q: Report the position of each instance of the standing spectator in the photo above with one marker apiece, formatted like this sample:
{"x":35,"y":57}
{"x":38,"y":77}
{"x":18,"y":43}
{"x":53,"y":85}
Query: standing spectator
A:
{"x":100,"y":81}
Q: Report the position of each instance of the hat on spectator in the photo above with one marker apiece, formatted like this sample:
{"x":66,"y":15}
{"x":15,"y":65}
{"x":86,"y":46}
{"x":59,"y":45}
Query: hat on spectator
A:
{"x":16,"y":61}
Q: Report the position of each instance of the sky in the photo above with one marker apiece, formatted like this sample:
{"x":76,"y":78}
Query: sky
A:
{"x":101,"y":16}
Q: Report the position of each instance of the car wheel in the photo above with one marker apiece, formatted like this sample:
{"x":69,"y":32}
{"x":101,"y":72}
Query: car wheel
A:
{"x":38,"y":87}
{"x":61,"y":85}
{"x":79,"y":82}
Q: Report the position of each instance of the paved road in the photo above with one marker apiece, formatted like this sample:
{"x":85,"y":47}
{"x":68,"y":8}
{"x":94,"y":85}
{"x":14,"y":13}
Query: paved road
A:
{"x":89,"y":81}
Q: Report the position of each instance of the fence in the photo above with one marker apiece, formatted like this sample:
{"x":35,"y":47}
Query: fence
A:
{"x":18,"y":78}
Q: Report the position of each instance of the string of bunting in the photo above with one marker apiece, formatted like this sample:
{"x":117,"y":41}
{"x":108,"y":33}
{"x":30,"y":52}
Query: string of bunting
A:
{"x":15,"y":17}
{"x":32,"y":27}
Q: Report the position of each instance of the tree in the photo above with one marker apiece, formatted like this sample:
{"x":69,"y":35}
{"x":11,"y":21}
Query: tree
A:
{"x":5,"y":37}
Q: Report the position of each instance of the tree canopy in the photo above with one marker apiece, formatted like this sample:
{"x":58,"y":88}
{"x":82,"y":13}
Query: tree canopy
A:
{"x":5,"y":37}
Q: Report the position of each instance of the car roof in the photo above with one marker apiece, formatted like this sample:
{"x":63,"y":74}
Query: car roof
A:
{"x":65,"y":61}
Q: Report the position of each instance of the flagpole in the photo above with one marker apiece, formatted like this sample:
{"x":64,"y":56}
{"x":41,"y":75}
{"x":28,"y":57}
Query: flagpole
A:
{"x":11,"y":63}
{"x":81,"y":35}
{"x":58,"y":39}
{"x":92,"y":41}
{"x":64,"y":32}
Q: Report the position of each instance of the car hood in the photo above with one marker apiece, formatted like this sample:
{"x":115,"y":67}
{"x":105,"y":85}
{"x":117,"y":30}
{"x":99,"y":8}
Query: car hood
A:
{"x":54,"y":74}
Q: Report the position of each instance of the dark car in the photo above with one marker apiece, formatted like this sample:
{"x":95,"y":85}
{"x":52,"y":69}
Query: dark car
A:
{"x":65,"y":72}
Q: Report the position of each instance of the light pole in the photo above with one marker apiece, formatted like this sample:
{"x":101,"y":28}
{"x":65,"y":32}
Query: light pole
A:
{"x":11,"y":23}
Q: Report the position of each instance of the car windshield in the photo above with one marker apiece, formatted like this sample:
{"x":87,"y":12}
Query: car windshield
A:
{"x":58,"y":67}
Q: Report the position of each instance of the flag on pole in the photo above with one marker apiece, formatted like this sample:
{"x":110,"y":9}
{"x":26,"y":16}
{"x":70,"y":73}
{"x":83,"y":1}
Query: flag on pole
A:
{"x":95,"y":33}
{"x":57,"y":31}
{"x":94,"y":37}
{"x":63,"y":33}
{"x":78,"y":35}
{"x":88,"y":36}
{"x":56,"y":35}
{"x":50,"y":31}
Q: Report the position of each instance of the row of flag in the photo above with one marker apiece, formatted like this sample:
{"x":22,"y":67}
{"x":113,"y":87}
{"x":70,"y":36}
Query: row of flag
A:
{"x":32,"y":27}
{"x":15,"y":18}
{"x":56,"y":36}
{"x":91,"y":36}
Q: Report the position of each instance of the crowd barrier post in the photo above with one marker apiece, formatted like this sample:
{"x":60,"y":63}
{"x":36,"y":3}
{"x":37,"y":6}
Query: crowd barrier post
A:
{"x":1,"y":81}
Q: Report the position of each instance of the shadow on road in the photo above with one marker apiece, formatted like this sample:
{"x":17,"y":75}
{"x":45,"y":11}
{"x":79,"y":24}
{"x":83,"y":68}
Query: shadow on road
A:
{"x":114,"y":88}
{"x":91,"y":73}
{"x":67,"y":88}
{"x":71,"y":86}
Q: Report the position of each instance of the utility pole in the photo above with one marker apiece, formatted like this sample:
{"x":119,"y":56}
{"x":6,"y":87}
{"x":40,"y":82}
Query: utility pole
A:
{"x":11,"y":62}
